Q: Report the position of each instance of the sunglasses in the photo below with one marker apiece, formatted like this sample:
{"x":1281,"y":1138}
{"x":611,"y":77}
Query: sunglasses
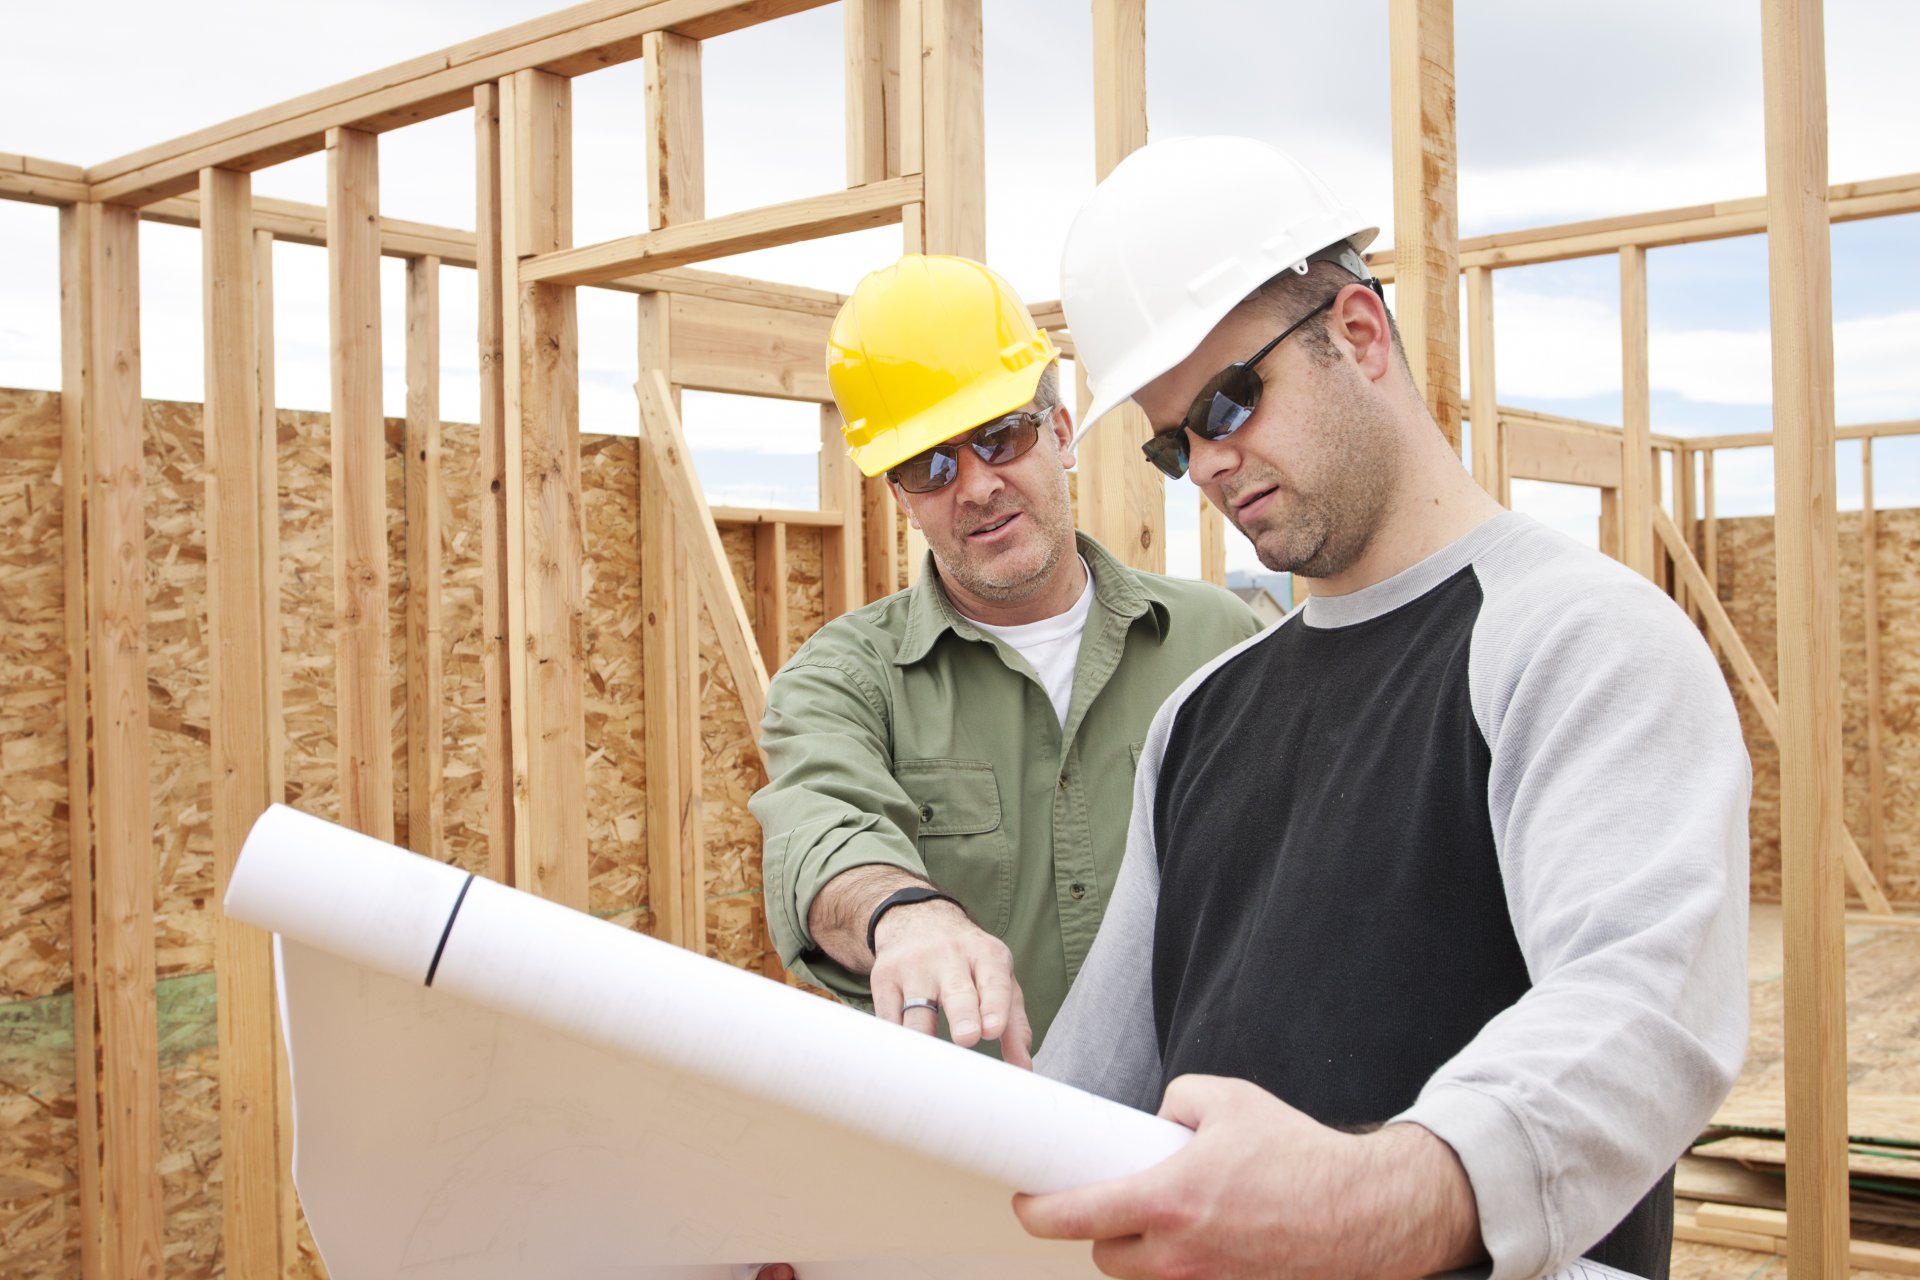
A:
{"x":996,"y":442}
{"x":1224,"y":404}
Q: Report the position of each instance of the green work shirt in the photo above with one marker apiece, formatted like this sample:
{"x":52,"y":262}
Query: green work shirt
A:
{"x":902,"y":734}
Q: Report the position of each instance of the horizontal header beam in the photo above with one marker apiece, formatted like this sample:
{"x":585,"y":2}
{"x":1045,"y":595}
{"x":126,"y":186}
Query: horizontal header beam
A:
{"x":38,"y":181}
{"x":1758,"y":439}
{"x":874,"y":205}
{"x":583,"y":38}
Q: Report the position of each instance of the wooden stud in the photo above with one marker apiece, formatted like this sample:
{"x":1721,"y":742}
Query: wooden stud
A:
{"x":953,"y":128}
{"x":880,"y":523}
{"x":1770,"y":1226}
{"x":1213,"y":543}
{"x":1425,"y":203}
{"x":1722,"y":632}
{"x":1637,"y":470}
{"x":841,"y":568}
{"x":497,"y":669}
{"x":1610,"y":521}
{"x":1807,"y":556}
{"x":102,"y":261}
{"x":877,"y":205}
{"x":546,"y":540}
{"x":1487,"y":453}
{"x":361,"y":658}
{"x":1876,"y":703}
{"x":77,"y":262}
{"x":660,"y":427}
{"x":770,"y":592}
{"x":670,"y":669}
{"x":676,"y":171}
{"x":426,"y":519}
{"x":872,"y":46}
{"x":1123,"y":500}
{"x":1709,"y":526}
{"x":1683,"y":516}
{"x":241,"y":632}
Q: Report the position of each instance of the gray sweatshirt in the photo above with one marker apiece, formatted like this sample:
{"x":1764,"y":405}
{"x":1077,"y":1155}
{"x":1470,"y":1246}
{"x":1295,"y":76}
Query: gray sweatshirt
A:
{"x":1466,"y":848}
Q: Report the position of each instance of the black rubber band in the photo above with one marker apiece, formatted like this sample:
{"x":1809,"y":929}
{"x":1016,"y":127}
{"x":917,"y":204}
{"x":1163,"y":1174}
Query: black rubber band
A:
{"x":901,"y":898}
{"x":448,"y":931}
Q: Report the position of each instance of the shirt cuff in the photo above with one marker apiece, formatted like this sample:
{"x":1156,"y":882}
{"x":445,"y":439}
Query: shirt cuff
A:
{"x":1509,"y":1187}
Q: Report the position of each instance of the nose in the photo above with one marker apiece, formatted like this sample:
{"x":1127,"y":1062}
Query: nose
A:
{"x":978,"y":480}
{"x":1210,"y":461}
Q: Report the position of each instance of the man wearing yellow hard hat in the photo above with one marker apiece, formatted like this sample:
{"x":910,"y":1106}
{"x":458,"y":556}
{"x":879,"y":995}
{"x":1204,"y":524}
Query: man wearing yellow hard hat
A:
{"x":951,"y":768}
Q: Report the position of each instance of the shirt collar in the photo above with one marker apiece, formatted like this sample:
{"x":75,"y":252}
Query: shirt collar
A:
{"x":930,"y":613}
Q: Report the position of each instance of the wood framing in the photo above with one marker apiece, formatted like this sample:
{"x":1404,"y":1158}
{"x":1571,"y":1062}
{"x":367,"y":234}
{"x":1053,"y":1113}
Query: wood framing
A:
{"x":841,"y":545}
{"x":1806,"y":555}
{"x":114,"y":925}
{"x":359,"y":439}
{"x":743,"y":349}
{"x":1213,"y":543}
{"x":581,"y":38}
{"x":426,"y":516}
{"x":880,"y":525}
{"x":874,"y":113}
{"x":497,"y":679}
{"x":675,"y":246}
{"x":1426,"y":203}
{"x":545,"y":536}
{"x":241,"y":631}
{"x":676,"y":173}
{"x":1123,"y":502}
{"x":770,"y":592}
{"x":953,"y":127}
{"x":1488,"y":453}
{"x":1876,"y":702}
{"x":670,"y":669}
{"x":1636,"y":398}
{"x":1539,"y":451}
{"x":707,"y":559}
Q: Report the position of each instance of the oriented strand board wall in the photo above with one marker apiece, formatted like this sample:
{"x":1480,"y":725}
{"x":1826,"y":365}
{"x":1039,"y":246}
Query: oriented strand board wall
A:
{"x":39,"y":1218}
{"x":1747,"y":588}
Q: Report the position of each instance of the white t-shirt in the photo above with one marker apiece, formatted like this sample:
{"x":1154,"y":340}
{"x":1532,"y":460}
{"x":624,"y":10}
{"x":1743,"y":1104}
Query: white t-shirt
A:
{"x":1051,"y":646}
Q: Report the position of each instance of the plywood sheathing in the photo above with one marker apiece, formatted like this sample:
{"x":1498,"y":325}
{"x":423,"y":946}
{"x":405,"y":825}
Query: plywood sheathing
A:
{"x":1746,"y":573}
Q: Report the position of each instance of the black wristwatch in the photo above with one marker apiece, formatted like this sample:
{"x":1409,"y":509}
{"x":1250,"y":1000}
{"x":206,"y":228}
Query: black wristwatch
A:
{"x":901,"y":898}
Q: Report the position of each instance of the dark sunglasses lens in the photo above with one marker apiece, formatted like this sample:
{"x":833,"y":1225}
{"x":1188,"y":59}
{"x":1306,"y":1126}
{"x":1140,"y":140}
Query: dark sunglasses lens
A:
{"x":1006,"y":439}
{"x":1168,"y":451}
{"x":925,"y":472}
{"x":1234,"y":399}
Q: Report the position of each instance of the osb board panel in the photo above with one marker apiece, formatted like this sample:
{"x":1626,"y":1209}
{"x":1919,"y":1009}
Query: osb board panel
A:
{"x":39,"y":1195}
{"x":615,"y":710}
{"x":730,"y":773}
{"x":464,"y":703}
{"x":1747,"y":588}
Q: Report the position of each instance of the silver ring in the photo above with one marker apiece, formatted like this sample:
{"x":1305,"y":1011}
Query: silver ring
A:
{"x":932,"y":1006}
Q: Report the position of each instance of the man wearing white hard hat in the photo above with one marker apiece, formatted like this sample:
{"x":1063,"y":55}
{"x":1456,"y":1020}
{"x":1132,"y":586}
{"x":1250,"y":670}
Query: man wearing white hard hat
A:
{"x":1432,"y":921}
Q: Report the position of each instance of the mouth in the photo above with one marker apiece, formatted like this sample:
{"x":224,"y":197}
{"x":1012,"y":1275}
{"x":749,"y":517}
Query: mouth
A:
{"x":1253,"y":503}
{"x":993,"y":528}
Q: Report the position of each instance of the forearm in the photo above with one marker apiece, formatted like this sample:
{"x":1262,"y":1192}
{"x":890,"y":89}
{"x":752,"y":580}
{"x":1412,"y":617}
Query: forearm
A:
{"x":838,"y":918}
{"x":1417,"y":1204}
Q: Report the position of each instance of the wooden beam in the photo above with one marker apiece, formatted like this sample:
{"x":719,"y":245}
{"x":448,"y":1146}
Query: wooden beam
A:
{"x":583,"y":38}
{"x":240,"y":631}
{"x":546,"y":539}
{"x":1847,"y":202}
{"x":748,"y":350}
{"x":1683,"y":498}
{"x":1876,"y":701}
{"x":1771,"y":1227}
{"x":1637,"y":468}
{"x":676,"y":170}
{"x":1709,"y":527}
{"x":361,"y":659}
{"x":670,"y":667}
{"x":78,"y":257}
{"x":1724,"y":634}
{"x":880,"y":523}
{"x":39,"y":181}
{"x":103,"y":260}
{"x":675,"y":246}
{"x":1858,"y":431}
{"x":872,"y":47}
{"x":426,"y":519}
{"x":953,"y":127}
{"x":1487,"y":453}
{"x":841,"y":567}
{"x":1426,"y":203}
{"x":1213,"y":543}
{"x":1609,"y":531}
{"x":1536,"y":451}
{"x":660,"y":426}
{"x":1122,"y":499}
{"x":770,"y":592}
{"x":1806,"y":553}
{"x":760,"y":516}
{"x":497,"y":679}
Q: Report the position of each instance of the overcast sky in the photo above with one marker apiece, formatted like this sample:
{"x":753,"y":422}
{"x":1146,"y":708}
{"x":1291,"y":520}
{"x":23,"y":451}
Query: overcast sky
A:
{"x":1566,"y":111}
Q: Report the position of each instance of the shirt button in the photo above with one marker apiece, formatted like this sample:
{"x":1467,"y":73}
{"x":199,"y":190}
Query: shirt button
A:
{"x":1063,"y":782}
{"x":926,"y":813}
{"x":1077,"y":891}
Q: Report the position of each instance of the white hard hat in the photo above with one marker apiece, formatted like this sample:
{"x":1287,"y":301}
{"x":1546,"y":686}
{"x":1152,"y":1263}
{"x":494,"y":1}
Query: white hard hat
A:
{"x":1175,"y":237}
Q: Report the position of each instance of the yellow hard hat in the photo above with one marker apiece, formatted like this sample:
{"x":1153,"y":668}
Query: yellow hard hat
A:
{"x":926,"y":349}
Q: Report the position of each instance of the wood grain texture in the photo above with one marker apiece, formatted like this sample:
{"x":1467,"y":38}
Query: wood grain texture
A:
{"x":498,"y":768}
{"x":1636,"y":460}
{"x":426,"y":506}
{"x":871,"y":43}
{"x":1426,"y":203}
{"x":675,"y":154}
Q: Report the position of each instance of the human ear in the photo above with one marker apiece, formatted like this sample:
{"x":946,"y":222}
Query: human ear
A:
{"x":1360,"y":318}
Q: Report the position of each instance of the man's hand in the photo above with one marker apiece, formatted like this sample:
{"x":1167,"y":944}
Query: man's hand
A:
{"x":932,"y":951}
{"x":1264,"y":1190}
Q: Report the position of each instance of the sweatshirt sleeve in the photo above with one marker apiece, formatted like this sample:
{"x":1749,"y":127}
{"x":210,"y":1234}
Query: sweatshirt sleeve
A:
{"x":1618,"y":794}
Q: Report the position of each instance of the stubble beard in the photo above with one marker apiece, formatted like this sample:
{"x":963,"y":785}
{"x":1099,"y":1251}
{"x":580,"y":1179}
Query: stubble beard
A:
{"x":994,"y":576}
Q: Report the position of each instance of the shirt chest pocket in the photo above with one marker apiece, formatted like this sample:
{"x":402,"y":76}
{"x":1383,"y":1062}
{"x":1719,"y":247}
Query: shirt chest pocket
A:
{"x":961,"y":838}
